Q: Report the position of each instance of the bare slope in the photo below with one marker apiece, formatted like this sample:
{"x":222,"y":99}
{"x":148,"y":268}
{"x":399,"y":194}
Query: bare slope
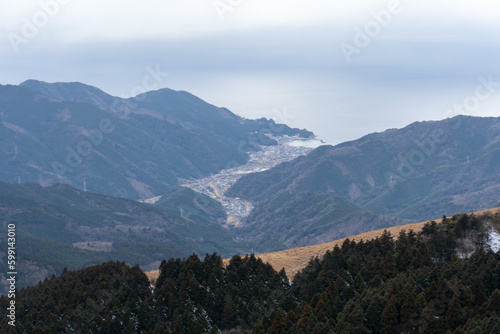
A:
{"x":295,"y":259}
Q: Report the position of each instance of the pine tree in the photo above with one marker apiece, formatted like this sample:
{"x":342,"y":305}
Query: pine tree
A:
{"x":386,"y":242}
{"x":389,"y":317}
{"x":388,"y":267}
{"x":478,"y":291}
{"x":427,"y":323}
{"x":493,"y":305}
{"x":373,"y":313}
{"x":357,"y":319}
{"x":409,"y":314}
{"x":229,"y":316}
{"x":307,"y":313}
{"x":278,"y":325}
{"x":258,"y":328}
{"x":455,"y":315}
{"x":290,"y":319}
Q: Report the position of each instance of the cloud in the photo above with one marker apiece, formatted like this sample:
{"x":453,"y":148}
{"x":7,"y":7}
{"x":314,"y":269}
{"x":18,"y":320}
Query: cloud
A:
{"x":267,"y":55}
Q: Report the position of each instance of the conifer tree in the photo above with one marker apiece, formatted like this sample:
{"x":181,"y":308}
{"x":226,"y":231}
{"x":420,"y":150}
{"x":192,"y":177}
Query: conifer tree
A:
{"x":409,"y":314}
{"x":278,"y":325}
{"x":493,"y":305}
{"x":389,"y":317}
{"x":455,"y":315}
{"x":478,"y":291}
{"x":229,"y":316}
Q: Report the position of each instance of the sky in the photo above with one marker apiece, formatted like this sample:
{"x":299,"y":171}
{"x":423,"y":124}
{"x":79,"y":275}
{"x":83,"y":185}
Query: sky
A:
{"x":341,"y":69}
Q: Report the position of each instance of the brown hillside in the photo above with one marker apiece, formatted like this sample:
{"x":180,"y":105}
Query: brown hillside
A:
{"x":295,"y":259}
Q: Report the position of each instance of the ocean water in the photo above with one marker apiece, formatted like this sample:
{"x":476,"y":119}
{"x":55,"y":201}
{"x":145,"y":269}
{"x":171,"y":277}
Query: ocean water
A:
{"x":311,"y":143}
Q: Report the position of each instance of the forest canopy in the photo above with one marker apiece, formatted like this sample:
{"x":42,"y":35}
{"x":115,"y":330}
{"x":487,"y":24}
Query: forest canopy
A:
{"x":444,"y":279}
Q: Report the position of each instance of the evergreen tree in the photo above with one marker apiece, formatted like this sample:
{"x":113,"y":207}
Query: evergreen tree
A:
{"x":229,"y":316}
{"x":455,"y":315}
{"x":389,"y":317}
{"x":493,"y":305}
{"x":427,"y":323}
{"x":350,"y":290}
{"x":478,"y":291}
{"x":409,"y":314}
{"x":373,"y":312}
{"x":278,"y":325}
{"x":258,"y":328}
{"x":388,"y":269}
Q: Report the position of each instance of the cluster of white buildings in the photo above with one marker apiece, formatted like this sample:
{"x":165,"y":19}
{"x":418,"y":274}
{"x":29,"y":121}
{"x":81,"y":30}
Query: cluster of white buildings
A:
{"x":215,"y":186}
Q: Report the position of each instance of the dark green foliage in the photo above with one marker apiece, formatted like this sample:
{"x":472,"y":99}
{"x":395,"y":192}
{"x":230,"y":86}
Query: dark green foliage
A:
{"x":110,"y":298}
{"x":278,"y":325}
{"x":191,"y":296}
{"x":360,"y":287}
{"x":415,"y":284}
{"x":51,"y":219}
{"x":389,"y":318}
{"x":237,"y":296}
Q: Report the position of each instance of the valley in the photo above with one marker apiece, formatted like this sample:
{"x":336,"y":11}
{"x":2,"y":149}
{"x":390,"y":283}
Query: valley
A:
{"x":135,"y":148}
{"x":211,"y":182}
{"x":215,"y":186}
{"x":255,"y":167}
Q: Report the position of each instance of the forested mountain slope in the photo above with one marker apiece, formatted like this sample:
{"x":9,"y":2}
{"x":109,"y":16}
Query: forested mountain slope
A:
{"x":442,"y":279}
{"x":136,"y":148}
{"x":60,"y":226}
{"x":424,"y":170}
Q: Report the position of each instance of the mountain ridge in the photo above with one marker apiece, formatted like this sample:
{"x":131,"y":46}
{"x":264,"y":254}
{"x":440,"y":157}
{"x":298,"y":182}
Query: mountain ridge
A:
{"x":60,"y":226}
{"x":425,"y":169}
{"x":293,"y":260}
{"x":136,"y":148}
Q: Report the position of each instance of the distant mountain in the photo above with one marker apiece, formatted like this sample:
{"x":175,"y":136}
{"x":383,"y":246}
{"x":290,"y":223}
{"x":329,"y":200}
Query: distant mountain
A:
{"x":178,"y":107}
{"x":136,"y":148}
{"x":50,"y":220}
{"x":419,"y":172}
{"x":307,"y":218}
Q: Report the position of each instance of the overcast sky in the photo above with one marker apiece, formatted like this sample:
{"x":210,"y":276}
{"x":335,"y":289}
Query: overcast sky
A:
{"x":341,"y":69}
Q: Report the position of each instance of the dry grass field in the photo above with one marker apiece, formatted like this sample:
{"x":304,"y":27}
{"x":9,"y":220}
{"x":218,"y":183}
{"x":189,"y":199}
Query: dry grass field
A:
{"x":295,"y":259}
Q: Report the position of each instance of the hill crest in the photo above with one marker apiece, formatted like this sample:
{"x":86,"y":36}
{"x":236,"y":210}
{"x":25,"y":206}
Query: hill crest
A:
{"x":295,"y":259}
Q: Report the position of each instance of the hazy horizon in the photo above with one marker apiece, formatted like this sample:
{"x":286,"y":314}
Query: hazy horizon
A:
{"x":339,"y":70}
